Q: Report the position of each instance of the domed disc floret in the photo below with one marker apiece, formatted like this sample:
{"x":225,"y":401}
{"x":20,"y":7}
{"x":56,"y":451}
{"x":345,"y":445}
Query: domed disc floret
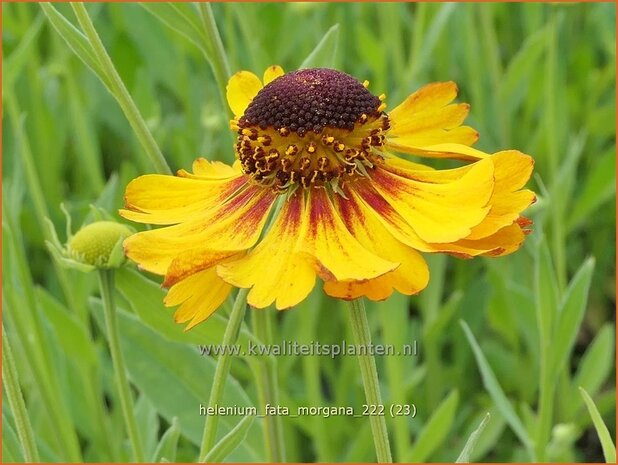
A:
{"x":312,"y":127}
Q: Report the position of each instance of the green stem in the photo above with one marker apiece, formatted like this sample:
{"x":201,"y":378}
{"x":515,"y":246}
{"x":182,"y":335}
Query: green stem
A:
{"x":16,"y":402}
{"x":106,"y":284}
{"x":268,"y":389}
{"x":221,"y":372}
{"x":218,"y":58}
{"x":546,"y":407}
{"x":369,"y":374}
{"x":120,"y":91}
{"x":397,"y":367}
{"x":312,"y":381}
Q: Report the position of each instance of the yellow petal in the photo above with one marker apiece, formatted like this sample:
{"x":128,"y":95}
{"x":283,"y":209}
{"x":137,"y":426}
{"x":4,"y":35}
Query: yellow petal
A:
{"x":338,"y":253}
{"x":272,"y":73}
{"x":274,"y":270}
{"x":505,"y":241}
{"x":418,"y":172}
{"x":409,"y":278}
{"x":434,"y":95}
{"x":439,"y":212}
{"x":373,"y":204}
{"x":400,"y":166}
{"x":188,"y":262}
{"x":200,"y":295}
{"x":232,"y":226}
{"x":426,"y":118}
{"x":424,"y":144}
{"x":161,"y":199}
{"x":456,"y":151}
{"x":416,"y":123}
{"x":241,"y":89}
{"x":512,"y":169}
{"x":205,"y":169}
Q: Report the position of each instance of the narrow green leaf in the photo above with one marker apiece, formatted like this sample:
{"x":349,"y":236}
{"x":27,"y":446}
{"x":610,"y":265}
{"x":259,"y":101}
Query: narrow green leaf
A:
{"x":464,"y":457}
{"x":436,"y":327}
{"x":11,"y":448}
{"x":491,"y":436}
{"x":436,"y":430}
{"x":89,"y":160}
{"x":571,"y":314}
{"x":168,"y":445}
{"x":147,"y":422}
{"x":323,"y":55}
{"x":546,"y":291}
{"x":497,"y":394}
{"x":230,"y":441}
{"x":609,"y":449}
{"x":596,"y":363}
{"x":430,"y":39}
{"x":520,"y":69}
{"x":593,"y":370}
{"x":75,"y":40}
{"x":598,"y":187}
{"x":180,"y":17}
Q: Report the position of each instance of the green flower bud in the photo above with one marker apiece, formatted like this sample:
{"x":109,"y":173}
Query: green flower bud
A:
{"x":95,"y":244}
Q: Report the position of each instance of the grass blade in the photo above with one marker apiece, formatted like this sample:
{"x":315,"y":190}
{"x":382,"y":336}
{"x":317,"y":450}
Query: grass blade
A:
{"x":16,"y":402}
{"x":119,"y":91}
{"x":464,"y":457}
{"x":180,"y":18}
{"x":76,"y":41}
{"x":435,"y":431}
{"x":571,"y":315}
{"x":230,"y":441}
{"x":609,"y":449}
{"x":323,"y":55}
{"x":497,"y":394}
{"x":168,"y":445}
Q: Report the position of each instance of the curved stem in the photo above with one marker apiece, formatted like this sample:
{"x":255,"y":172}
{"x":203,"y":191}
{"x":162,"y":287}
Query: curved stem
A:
{"x":369,"y":374}
{"x":16,"y":402}
{"x":120,"y":91}
{"x":221,"y":372}
{"x":106,"y":284}
{"x":218,"y":58}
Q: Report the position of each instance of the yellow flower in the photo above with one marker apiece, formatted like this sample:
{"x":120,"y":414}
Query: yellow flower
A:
{"x":350,"y":211}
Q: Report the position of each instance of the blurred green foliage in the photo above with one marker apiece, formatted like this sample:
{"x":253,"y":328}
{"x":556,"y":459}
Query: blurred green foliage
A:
{"x":540,"y":78}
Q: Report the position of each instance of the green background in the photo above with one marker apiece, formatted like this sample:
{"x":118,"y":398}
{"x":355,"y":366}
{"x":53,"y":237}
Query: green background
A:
{"x":540,"y":78}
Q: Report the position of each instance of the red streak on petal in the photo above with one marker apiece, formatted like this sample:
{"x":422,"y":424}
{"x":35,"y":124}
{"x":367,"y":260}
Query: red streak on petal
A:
{"x":495,"y":252}
{"x":523,"y":222}
{"x":349,"y":211}
{"x":461,"y":255}
{"x":376,"y":201}
{"x":256,"y":206}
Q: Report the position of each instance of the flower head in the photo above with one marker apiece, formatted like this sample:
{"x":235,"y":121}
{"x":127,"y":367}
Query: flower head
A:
{"x":319,"y":145}
{"x":310,"y":128}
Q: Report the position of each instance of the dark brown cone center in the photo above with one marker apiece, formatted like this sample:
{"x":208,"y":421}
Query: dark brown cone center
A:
{"x":310,"y":100}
